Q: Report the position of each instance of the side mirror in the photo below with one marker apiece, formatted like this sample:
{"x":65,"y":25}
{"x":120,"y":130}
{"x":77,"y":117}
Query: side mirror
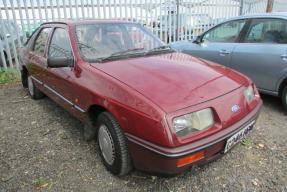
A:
{"x":57,"y":62}
{"x":197,"y":40}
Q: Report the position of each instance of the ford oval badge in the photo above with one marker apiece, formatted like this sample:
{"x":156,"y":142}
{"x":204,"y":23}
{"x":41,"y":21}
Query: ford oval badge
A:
{"x":235,"y":108}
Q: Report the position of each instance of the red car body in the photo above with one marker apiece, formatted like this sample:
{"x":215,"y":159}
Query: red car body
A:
{"x":144,"y":94}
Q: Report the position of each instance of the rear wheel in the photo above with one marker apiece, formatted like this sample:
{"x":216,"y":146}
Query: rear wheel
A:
{"x":24,"y":78}
{"x":6,"y":60}
{"x":34,"y":92}
{"x":112,"y":145}
{"x":284,"y":97}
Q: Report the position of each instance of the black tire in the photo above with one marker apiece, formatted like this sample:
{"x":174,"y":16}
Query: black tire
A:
{"x":6,"y":60}
{"x":284,"y":97}
{"x":34,"y":92}
{"x":1,"y":63}
{"x":121,"y":164}
{"x":24,"y":78}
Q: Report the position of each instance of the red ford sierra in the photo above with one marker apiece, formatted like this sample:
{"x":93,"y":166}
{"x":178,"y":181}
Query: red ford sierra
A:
{"x":147,"y":106}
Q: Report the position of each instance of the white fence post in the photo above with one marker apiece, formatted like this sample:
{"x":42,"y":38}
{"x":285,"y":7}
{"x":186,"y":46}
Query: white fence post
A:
{"x":170,"y":20}
{"x":6,"y":44}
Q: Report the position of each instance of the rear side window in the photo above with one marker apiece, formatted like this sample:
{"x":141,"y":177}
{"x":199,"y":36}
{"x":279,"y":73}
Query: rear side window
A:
{"x":60,"y":44}
{"x":225,"y":33}
{"x":267,"y":31}
{"x":41,"y":41}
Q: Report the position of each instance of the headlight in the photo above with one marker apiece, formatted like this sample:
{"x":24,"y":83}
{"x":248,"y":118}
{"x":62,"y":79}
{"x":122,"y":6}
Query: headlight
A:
{"x":193,"y":122}
{"x":249,"y":94}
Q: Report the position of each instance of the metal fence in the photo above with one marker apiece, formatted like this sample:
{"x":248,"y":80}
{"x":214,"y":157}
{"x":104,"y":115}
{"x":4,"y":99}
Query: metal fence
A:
{"x":254,"y":6}
{"x":170,"y":20}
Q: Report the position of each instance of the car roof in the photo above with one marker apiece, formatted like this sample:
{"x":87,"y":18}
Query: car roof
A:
{"x":282,"y":15}
{"x":85,"y":21}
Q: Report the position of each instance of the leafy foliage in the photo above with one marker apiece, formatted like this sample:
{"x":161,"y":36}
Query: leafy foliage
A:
{"x":9,"y":76}
{"x":246,"y":142}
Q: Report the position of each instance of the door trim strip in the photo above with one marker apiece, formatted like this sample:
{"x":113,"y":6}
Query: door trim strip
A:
{"x":59,"y":95}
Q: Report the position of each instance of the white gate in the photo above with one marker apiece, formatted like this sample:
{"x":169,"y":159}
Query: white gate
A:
{"x":170,"y":20}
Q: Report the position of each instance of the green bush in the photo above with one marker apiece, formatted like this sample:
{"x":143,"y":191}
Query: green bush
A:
{"x":9,"y":76}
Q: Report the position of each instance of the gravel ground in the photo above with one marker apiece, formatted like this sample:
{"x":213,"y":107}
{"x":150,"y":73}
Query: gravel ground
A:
{"x":42,"y":149}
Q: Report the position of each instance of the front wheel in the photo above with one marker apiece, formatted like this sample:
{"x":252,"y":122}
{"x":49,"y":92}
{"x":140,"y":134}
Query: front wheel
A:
{"x":284,"y":97}
{"x":112,"y":145}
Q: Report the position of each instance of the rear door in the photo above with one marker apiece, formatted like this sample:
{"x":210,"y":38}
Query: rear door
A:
{"x":37,"y":55}
{"x":263,"y":53}
{"x":218,"y":43}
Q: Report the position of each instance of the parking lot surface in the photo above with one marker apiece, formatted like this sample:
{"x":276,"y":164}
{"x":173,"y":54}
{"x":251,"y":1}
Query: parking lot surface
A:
{"x":42,"y":149}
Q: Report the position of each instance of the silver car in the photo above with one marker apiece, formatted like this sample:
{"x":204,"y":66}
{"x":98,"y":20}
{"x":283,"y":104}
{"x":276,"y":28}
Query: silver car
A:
{"x":254,"y":45}
{"x":9,"y":31}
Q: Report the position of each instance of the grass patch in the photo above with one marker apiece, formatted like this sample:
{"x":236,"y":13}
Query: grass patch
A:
{"x":246,"y":142}
{"x":9,"y":76}
{"x":40,"y":183}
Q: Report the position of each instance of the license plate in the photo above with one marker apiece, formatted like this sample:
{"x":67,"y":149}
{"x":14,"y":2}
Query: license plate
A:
{"x":237,"y":137}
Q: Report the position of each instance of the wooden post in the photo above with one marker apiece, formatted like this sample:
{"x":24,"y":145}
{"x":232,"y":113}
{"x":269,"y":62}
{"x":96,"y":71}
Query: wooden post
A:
{"x":269,"y":6}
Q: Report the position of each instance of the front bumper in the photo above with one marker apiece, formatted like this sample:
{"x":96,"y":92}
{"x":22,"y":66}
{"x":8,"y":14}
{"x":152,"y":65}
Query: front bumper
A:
{"x":152,"y":158}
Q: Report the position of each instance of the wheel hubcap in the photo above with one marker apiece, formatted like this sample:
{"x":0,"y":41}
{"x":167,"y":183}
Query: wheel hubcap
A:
{"x":106,"y":144}
{"x":30,"y":86}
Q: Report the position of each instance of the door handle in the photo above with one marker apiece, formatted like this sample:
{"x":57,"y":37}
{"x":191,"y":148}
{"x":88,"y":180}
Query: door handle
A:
{"x":284,"y":57}
{"x":223,"y":52}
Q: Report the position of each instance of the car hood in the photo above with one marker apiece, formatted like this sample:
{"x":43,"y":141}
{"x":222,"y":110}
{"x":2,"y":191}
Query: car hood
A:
{"x":174,"y":81}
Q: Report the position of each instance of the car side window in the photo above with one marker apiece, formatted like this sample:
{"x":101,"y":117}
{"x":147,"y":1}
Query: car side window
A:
{"x":60,"y":44}
{"x":267,"y":31}
{"x":41,"y":41}
{"x":225,"y":33}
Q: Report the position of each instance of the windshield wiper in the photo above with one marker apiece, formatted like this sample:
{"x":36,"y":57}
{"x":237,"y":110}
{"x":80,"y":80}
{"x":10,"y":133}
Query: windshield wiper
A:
{"x":126,"y":51}
{"x":121,"y":53}
{"x":83,"y":45}
{"x":160,"y":48}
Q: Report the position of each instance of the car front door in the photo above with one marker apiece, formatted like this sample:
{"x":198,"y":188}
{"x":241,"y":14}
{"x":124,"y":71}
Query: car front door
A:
{"x":59,"y":80}
{"x":263,"y":53}
{"x":218,"y":43}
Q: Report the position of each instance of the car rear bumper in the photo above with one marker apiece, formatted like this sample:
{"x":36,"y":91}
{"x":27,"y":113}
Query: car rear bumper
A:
{"x":152,"y":158}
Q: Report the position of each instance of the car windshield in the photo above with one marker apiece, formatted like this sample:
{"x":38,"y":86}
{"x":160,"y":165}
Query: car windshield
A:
{"x":104,"y":40}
